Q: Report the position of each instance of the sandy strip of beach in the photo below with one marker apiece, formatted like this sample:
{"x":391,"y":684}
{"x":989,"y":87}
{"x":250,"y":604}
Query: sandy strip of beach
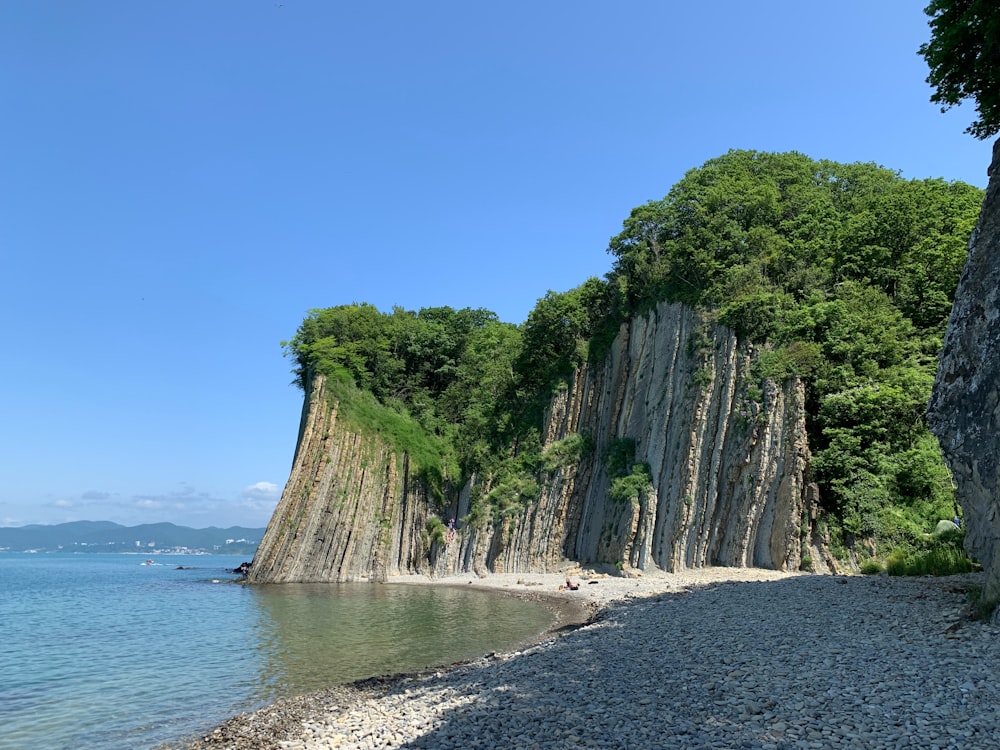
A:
{"x":717,"y":657}
{"x":577,"y":594}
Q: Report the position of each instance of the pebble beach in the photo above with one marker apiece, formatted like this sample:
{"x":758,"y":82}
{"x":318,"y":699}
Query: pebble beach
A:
{"x":709,"y":658}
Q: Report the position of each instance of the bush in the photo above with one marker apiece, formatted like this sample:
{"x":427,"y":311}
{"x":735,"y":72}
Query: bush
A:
{"x":939,"y":561}
{"x":896,"y":565}
{"x":620,"y":456}
{"x":566,"y":452}
{"x":512,"y":492}
{"x":871,"y":567}
{"x":436,"y":531}
{"x":632,"y":485}
{"x":937,"y":556}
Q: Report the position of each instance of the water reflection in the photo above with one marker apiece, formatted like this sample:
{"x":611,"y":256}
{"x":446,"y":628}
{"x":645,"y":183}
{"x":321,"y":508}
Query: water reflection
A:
{"x":312,"y":636}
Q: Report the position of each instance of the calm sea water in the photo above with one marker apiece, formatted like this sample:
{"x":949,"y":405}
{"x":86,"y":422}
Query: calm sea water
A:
{"x":101,"y":651}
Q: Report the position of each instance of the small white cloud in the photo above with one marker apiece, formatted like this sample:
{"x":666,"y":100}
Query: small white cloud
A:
{"x":258,"y":500}
{"x":262,"y":491}
{"x":63,"y":503}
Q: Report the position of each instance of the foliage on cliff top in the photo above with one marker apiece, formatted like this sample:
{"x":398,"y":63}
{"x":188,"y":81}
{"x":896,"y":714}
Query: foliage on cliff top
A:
{"x":428,"y":381}
{"x":847,"y":270}
{"x":759,"y":235}
{"x":850,"y":272}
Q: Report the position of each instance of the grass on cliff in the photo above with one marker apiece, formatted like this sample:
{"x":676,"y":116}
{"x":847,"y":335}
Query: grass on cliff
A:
{"x":432,"y":457}
{"x":928,"y":555}
{"x":942,"y":560}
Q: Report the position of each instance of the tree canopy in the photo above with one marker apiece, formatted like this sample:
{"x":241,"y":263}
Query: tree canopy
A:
{"x":963,"y":55}
{"x":849,"y":272}
{"x":756,"y":234}
{"x":845,"y":271}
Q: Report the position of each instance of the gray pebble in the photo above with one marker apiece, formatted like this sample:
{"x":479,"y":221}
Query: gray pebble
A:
{"x":803,"y":662}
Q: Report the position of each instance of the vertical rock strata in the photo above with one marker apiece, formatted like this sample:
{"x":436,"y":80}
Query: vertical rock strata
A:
{"x":964,"y":410}
{"x":727,"y":462}
{"x":727,"y":456}
{"x":348,"y":511}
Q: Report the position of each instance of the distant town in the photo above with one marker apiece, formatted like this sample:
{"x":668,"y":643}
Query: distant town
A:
{"x":146,"y":539}
{"x":229,"y":546}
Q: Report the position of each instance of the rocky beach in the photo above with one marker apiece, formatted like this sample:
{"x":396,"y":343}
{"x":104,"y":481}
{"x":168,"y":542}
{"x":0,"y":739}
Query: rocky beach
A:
{"x":711,"y":658}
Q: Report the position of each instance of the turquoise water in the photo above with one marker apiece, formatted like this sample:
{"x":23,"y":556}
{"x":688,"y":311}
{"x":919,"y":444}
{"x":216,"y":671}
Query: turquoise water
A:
{"x":100,"y":651}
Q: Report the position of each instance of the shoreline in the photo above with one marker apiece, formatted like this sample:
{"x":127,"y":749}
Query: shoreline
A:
{"x":703,"y":655}
{"x":596,"y":589}
{"x":266,"y":727}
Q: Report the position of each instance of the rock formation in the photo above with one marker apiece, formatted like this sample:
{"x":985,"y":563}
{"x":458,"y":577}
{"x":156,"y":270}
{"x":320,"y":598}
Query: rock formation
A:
{"x":964,"y":410}
{"x":727,"y":461}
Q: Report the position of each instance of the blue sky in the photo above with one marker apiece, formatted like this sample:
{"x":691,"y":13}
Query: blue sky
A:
{"x":181,"y":181}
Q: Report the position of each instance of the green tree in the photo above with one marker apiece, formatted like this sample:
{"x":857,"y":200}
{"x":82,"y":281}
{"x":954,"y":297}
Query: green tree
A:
{"x":846,"y":272}
{"x":477,"y":400}
{"x":353,"y":341}
{"x":963,"y":55}
{"x":849,"y":272}
{"x":558,"y":332}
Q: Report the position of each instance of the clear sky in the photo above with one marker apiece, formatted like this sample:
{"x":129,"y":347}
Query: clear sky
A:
{"x":181,"y":181}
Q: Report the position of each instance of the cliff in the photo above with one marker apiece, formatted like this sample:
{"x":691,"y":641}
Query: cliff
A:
{"x":964,"y":410}
{"x":726,"y":453}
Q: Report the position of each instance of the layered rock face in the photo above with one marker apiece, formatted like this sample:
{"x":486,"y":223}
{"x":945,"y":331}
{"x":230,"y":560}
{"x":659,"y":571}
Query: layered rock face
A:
{"x":727,"y":457}
{"x":727,"y":462}
{"x":964,"y":411}
{"x":349,"y":510}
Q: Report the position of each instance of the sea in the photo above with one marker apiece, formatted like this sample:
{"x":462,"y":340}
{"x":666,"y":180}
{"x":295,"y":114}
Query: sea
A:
{"x":106,"y":651}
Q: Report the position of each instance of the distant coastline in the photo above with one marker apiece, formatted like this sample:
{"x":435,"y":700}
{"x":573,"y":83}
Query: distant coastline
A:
{"x":139,"y":553}
{"x":146,"y":539}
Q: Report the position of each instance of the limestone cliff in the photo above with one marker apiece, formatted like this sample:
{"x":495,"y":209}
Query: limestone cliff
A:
{"x":964,"y":411}
{"x":349,"y":510}
{"x":726,"y":452}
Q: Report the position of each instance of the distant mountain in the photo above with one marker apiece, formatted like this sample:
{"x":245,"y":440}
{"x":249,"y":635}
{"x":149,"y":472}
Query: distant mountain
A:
{"x":106,"y":536}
